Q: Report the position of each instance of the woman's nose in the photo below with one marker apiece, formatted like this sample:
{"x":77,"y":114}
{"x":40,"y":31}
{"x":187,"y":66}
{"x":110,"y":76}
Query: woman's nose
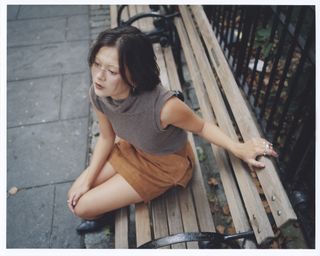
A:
{"x":101,"y":75}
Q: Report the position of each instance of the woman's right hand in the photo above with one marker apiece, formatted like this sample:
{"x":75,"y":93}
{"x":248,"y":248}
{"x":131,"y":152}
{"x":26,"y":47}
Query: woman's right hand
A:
{"x":253,"y":148}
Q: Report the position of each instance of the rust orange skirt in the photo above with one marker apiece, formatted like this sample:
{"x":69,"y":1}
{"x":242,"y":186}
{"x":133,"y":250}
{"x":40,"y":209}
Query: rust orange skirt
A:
{"x":151,"y":175}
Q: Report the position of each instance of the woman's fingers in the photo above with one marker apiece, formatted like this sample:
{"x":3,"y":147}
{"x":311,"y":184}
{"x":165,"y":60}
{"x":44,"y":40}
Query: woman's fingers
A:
{"x":256,"y":164}
{"x":266,"y":149}
{"x":72,"y":201}
{"x":75,"y":199}
{"x":69,"y":202}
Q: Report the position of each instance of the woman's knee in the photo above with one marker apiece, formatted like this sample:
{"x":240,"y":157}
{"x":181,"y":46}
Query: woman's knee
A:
{"x":83,"y":211}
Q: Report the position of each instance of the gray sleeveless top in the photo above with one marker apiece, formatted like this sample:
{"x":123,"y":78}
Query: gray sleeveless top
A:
{"x":137,"y":120}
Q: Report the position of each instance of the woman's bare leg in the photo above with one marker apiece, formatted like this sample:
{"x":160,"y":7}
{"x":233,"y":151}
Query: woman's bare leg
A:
{"x":106,"y":173}
{"x":112,"y":194}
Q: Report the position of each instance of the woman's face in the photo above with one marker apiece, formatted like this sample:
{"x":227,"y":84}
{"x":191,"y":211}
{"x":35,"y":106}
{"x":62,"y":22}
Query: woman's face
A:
{"x":106,"y":78}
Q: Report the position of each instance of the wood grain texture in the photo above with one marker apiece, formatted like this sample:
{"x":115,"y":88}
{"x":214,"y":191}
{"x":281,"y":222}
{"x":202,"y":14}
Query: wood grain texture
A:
{"x":143,"y":227}
{"x":268,"y":177}
{"x":257,"y":215}
{"x":121,"y":228}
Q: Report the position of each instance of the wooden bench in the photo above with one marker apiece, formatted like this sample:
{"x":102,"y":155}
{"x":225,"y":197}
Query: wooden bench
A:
{"x":220,"y":100}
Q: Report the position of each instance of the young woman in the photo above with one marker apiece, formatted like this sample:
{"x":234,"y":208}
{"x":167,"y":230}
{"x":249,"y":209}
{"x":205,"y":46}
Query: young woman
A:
{"x":153,"y":153}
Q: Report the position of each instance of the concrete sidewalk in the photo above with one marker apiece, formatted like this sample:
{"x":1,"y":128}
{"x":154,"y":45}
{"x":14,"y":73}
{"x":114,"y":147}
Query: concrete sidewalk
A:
{"x":48,"y":119}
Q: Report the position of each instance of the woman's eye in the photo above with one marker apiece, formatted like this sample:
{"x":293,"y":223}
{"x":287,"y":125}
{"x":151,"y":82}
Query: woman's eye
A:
{"x":112,"y":72}
{"x":96,"y":64}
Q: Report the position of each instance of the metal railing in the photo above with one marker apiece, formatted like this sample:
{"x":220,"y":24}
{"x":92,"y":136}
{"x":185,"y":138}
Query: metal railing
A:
{"x":271,"y":51}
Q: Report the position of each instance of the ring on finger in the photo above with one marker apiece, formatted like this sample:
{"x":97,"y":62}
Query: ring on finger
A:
{"x":266,"y":147}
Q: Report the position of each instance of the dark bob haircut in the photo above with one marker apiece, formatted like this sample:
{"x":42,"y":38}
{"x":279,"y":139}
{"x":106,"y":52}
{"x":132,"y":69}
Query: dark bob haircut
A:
{"x":135,"y":53}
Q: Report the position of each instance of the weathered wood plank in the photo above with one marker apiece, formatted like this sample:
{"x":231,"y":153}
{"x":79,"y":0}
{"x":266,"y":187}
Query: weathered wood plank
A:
{"x":162,"y":65}
{"x":125,"y":14}
{"x":269,"y":179}
{"x":171,"y":69}
{"x":159,"y":218}
{"x":121,"y":228}
{"x":113,"y":15}
{"x":174,"y":217}
{"x":188,"y":213}
{"x":143,"y":229}
{"x":232,"y":193}
{"x":257,"y":214}
{"x":200,"y":195}
{"x":147,"y":22}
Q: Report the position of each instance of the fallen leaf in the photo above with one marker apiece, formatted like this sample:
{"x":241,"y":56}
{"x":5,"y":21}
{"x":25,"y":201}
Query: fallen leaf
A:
{"x":13,"y":191}
{"x":226,"y":210}
{"x":275,"y":245}
{"x":231,"y":230}
{"x":213,"y":181}
{"x":253,"y":174}
{"x":282,"y":241}
{"x":220,"y":229}
{"x":257,"y":183}
{"x":266,"y":206}
{"x":201,"y":154}
{"x":214,"y":208}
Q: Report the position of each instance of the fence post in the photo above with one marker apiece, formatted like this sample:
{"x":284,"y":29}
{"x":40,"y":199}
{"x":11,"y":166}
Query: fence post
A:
{"x":249,"y":16}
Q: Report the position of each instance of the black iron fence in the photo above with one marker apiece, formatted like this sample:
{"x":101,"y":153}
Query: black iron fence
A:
{"x":271,"y":50}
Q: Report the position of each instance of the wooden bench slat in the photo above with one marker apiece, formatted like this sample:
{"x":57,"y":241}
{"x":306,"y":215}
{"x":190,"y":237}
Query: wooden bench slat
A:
{"x":268,"y":177}
{"x":229,"y":184}
{"x":159,"y":218}
{"x":148,"y":22}
{"x":172,"y":69}
{"x":142,"y":218}
{"x":204,"y":216}
{"x":197,"y":184}
{"x":200,"y":197}
{"x":174,"y":216}
{"x":121,"y":228}
{"x":234,"y":201}
{"x":188,"y":213}
{"x":172,"y":201}
{"x":113,"y":15}
{"x":257,"y":214}
{"x":161,"y":63}
{"x":125,"y":14}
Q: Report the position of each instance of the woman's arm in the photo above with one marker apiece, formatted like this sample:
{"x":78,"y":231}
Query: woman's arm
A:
{"x":177,"y":113}
{"x":103,"y":147}
{"x":101,"y":152}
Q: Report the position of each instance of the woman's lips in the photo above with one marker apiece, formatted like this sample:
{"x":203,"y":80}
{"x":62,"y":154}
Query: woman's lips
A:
{"x":98,"y":86}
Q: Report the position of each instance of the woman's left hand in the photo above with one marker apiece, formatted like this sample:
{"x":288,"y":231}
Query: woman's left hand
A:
{"x":251,"y":149}
{"x":75,"y":195}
